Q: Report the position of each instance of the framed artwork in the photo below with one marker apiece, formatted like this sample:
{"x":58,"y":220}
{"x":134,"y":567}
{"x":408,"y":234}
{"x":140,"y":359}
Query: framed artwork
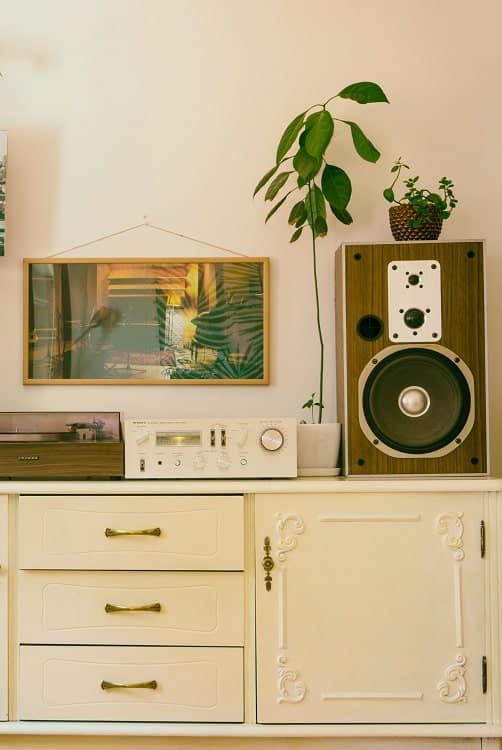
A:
{"x":139,"y":322}
{"x":3,"y":175}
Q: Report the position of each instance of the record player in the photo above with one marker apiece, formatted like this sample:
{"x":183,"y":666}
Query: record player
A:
{"x":61,"y":445}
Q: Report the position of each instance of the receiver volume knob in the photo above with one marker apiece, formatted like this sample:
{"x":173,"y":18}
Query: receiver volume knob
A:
{"x":272,"y":439}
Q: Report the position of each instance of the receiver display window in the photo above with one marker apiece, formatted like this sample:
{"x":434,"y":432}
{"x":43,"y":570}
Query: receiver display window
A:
{"x":178,"y":439}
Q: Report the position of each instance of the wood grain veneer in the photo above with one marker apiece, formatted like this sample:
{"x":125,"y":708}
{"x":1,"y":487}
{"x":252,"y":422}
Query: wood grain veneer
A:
{"x":361,"y":289}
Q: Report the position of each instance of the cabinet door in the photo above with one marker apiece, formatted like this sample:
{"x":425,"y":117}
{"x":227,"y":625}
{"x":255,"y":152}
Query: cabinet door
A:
{"x":4,"y":536}
{"x":374,"y":608}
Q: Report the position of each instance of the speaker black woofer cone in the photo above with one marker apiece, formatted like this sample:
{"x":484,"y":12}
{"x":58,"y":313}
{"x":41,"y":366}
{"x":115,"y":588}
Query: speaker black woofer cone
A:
{"x":416,"y":401}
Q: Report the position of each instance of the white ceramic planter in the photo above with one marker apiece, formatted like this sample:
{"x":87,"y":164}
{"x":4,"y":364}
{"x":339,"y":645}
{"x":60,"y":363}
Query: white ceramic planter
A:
{"x":318,"y":449}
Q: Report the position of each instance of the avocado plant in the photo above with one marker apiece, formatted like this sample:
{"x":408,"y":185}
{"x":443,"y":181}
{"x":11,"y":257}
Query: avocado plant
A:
{"x":302,"y":170}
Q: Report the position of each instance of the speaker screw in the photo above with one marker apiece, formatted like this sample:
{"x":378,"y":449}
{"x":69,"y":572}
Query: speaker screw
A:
{"x":375,"y":442}
{"x":361,"y":461}
{"x":474,"y":460}
{"x":458,"y":441}
{"x":434,"y":335}
{"x":375,"y":361}
{"x":357,"y":256}
{"x":457,"y":359}
{"x":471,"y":254}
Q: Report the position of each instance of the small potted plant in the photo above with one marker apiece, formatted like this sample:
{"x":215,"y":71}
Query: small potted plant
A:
{"x":302,"y":170}
{"x":419,"y":214}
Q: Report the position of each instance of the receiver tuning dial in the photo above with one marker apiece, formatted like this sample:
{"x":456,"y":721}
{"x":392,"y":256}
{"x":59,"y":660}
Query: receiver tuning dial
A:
{"x":272,"y":439}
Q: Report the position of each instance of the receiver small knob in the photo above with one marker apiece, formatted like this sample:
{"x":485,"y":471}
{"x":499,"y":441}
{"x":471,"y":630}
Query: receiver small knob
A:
{"x":241,"y":438}
{"x":272,"y":439}
{"x":142,"y":438}
{"x":199,"y":462}
{"x":222,"y":461}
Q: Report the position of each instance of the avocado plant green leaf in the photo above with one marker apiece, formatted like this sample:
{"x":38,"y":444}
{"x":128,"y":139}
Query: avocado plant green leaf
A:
{"x":319,"y":130}
{"x":289,"y":137}
{"x":266,"y":177}
{"x":276,"y":184}
{"x":336,"y":186}
{"x":363,"y":92}
{"x":317,"y":184}
{"x":363,"y":145}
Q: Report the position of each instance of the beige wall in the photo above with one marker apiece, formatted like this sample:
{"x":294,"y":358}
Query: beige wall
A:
{"x":121,"y":109}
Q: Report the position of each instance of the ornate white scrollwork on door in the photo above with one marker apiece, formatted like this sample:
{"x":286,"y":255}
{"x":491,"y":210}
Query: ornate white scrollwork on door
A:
{"x":452,"y":689}
{"x":290,"y":688}
{"x":450,"y":526}
{"x":288,"y":527}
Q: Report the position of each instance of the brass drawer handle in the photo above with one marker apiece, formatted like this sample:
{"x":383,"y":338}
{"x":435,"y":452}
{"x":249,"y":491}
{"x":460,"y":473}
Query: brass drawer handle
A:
{"x":142,"y":608}
{"x":151,"y":684}
{"x":133,"y":532}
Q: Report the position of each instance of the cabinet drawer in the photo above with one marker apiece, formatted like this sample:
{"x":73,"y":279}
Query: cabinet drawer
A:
{"x":181,"y":608}
{"x":183,"y":684}
{"x":131,"y":532}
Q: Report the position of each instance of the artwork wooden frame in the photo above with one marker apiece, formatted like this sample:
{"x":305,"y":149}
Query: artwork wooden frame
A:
{"x":176,"y":321}
{"x":3,"y":188}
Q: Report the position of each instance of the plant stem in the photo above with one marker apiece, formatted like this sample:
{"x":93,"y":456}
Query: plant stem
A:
{"x":329,"y":100}
{"x":318,"y":315}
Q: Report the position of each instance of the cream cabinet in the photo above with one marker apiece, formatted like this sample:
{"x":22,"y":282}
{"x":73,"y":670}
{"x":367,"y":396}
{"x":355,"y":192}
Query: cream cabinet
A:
{"x":4,"y":606}
{"x":327,"y":612}
{"x":370,"y":608}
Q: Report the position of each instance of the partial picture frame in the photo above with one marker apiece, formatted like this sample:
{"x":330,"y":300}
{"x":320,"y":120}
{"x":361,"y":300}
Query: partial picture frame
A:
{"x":177,"y":321}
{"x":3,"y":187}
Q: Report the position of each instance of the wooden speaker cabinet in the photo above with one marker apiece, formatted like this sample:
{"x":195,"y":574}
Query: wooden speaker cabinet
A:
{"x":411,"y":370}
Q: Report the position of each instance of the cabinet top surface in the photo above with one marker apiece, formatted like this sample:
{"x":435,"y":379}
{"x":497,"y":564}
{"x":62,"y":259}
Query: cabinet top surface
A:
{"x":255,"y":487}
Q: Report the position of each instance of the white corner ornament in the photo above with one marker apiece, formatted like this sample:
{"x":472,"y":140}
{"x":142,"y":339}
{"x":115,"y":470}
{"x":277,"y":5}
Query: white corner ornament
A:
{"x":452,"y":689}
{"x":288,"y":527}
{"x":290,"y":689}
{"x":450,"y":526}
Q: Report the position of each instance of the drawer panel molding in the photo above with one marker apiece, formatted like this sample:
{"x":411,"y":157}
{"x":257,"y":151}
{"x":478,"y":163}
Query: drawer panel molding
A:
{"x":130,"y":607}
{"x":131,"y":532}
{"x":94,"y":683}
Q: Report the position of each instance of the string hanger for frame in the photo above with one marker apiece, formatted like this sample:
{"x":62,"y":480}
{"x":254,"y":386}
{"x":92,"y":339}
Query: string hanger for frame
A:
{"x":146,"y":223}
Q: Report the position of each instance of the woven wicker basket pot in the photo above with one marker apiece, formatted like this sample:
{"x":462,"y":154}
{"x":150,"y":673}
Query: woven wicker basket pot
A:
{"x":399,"y":217}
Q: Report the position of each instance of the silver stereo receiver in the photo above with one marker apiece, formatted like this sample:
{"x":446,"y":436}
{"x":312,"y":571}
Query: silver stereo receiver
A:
{"x":209,"y":448}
